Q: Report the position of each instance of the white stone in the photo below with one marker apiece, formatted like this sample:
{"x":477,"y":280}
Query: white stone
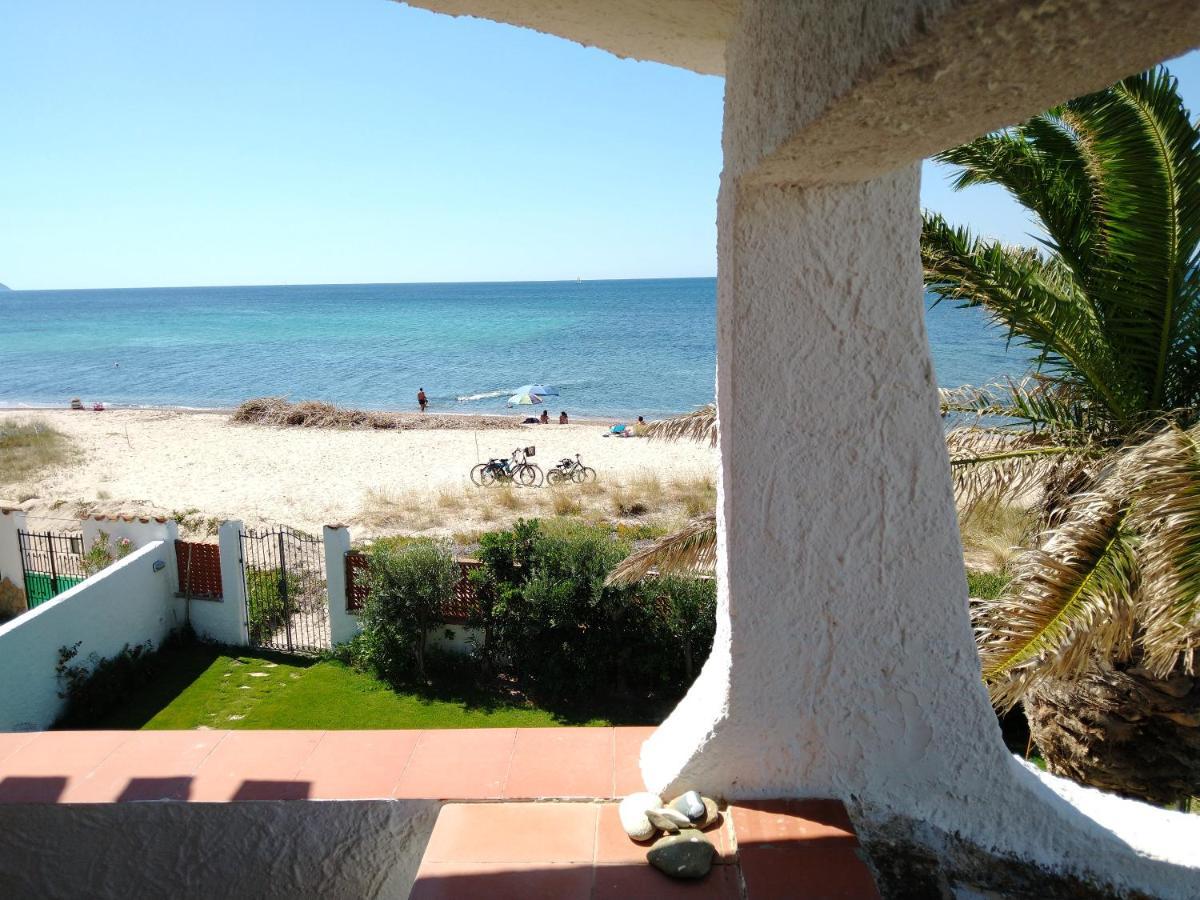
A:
{"x":632,"y":812}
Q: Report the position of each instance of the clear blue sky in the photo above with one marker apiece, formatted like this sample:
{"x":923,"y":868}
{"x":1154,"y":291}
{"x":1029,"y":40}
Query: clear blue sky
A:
{"x":313,"y":141}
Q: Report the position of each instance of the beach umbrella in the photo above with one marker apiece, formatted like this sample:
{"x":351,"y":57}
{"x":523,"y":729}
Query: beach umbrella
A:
{"x":541,"y":390}
{"x":524,"y":398}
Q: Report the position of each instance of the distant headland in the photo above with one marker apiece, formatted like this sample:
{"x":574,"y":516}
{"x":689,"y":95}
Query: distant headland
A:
{"x":5,"y":287}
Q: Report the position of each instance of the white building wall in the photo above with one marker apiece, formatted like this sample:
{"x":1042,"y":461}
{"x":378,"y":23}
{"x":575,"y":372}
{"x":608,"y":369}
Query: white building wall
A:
{"x":224,"y":620}
{"x":126,"y":603}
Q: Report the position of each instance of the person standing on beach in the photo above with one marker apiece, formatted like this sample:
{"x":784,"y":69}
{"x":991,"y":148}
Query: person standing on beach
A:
{"x":422,"y":400}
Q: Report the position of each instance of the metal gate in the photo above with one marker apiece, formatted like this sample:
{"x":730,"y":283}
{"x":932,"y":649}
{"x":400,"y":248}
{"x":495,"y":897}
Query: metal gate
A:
{"x":51,"y":562}
{"x":287,"y":605}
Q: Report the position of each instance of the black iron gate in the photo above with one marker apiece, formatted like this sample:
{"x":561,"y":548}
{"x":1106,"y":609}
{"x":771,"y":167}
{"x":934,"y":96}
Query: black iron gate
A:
{"x":51,"y":562}
{"x":287,"y":604}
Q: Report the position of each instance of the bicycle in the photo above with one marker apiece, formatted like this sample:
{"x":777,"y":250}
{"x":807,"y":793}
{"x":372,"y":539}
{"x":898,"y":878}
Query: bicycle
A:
{"x":570,"y":470}
{"x":516,"y":469}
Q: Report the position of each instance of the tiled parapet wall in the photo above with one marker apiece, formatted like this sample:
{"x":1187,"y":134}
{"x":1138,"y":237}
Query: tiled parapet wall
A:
{"x":208,"y":813}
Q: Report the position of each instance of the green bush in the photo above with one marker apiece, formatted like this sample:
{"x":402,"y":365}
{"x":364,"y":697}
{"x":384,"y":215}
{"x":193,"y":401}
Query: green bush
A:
{"x":987,"y":585}
{"x":101,"y":554}
{"x":264,"y":602}
{"x":95,"y":688}
{"x":545,"y":611}
{"x":408,"y":585}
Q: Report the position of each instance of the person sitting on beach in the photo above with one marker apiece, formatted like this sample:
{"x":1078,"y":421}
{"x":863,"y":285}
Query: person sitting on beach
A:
{"x":545,"y":417}
{"x":639,"y":426}
{"x":422,"y":400}
{"x":562,"y":417}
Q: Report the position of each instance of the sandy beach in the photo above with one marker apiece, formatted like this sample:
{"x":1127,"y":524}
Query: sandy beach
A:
{"x":201,"y":467}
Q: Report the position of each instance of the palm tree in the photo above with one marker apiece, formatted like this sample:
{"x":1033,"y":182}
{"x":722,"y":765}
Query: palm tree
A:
{"x":1096,"y":635}
{"x":1097,"y":632}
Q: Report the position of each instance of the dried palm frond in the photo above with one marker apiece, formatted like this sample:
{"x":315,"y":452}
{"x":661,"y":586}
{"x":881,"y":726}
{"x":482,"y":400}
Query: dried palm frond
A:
{"x":987,"y":465}
{"x":690,"y":551}
{"x":1070,"y":598}
{"x":698,"y":425}
{"x":1165,"y":477}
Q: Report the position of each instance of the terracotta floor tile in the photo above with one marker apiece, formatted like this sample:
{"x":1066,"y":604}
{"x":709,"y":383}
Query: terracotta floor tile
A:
{"x":613,"y":846}
{"x":772,"y":821}
{"x":561,"y":762}
{"x":508,"y":881}
{"x":358,"y":765}
{"x":256,"y":765}
{"x":469,"y":764}
{"x":629,"y":882}
{"x":12,"y":741}
{"x":151,"y":765}
{"x":814,"y":872}
{"x":514,"y":833}
{"x":628,"y":748}
{"x":43,"y":769}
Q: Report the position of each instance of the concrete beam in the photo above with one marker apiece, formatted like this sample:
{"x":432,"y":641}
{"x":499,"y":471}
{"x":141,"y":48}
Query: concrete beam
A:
{"x":689,"y":34}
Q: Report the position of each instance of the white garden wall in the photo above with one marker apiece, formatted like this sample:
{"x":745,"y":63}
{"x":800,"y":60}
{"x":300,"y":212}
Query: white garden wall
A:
{"x":127,"y":603}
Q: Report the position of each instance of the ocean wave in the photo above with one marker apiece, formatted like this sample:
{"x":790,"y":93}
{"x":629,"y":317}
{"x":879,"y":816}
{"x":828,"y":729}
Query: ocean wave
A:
{"x":486,"y":395}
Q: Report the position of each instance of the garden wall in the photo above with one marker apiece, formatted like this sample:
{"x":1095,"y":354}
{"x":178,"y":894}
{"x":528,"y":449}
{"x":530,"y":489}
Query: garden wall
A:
{"x":127,"y":603}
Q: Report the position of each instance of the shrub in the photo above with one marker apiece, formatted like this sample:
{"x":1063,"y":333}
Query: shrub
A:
{"x":408,"y":587}
{"x":95,"y":688}
{"x":987,"y":585}
{"x":264,"y":602}
{"x":544,"y":609}
{"x":101,"y":554}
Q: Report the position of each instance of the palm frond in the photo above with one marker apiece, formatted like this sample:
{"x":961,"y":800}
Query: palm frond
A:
{"x":1147,"y":160}
{"x":1069,"y":599}
{"x":987,"y":466}
{"x":698,"y":425}
{"x":690,"y":551}
{"x":1165,"y":478}
{"x":1038,"y":301}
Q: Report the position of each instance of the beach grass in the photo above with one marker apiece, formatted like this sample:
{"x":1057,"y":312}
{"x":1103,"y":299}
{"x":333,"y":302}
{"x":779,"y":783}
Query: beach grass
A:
{"x":28,"y":447}
{"x":640,"y":497}
{"x":203,"y":686}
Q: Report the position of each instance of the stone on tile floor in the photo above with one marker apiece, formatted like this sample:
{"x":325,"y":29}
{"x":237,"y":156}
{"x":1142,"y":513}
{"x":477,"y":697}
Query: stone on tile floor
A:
{"x":632,"y":812}
{"x":687,"y":854}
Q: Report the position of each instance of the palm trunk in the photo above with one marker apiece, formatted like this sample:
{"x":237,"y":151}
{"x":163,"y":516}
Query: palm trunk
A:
{"x":1120,"y":729}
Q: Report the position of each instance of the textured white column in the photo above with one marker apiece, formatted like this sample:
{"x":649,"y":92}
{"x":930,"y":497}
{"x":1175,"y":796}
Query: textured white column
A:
{"x":343,"y":625}
{"x":12,"y":521}
{"x":844,"y":663}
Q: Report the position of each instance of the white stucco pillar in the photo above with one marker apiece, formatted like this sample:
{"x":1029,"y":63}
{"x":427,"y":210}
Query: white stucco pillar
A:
{"x":225,"y":621}
{"x":12,"y":521}
{"x":844,"y":664}
{"x":343,"y":625}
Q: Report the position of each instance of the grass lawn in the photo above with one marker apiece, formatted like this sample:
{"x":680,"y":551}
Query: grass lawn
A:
{"x":211,"y":687}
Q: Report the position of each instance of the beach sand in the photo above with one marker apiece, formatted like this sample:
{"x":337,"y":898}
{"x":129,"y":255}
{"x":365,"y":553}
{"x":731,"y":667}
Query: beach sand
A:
{"x":200,"y":466}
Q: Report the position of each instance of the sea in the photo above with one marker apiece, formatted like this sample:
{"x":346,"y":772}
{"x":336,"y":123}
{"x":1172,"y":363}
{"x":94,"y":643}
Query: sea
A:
{"x":612,"y":348}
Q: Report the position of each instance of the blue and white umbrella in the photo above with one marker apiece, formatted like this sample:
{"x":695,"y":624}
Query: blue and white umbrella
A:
{"x":539,"y":390}
{"x":524,"y":398}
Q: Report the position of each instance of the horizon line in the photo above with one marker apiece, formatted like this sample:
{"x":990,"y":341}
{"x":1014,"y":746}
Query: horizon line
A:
{"x":169,"y":287}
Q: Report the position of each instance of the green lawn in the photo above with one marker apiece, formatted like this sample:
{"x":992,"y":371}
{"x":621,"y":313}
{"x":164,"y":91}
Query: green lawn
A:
{"x":201,"y":686}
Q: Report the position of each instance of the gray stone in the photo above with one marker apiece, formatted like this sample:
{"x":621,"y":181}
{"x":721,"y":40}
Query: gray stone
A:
{"x":669,"y":820}
{"x":690,"y":805}
{"x":684,"y":855}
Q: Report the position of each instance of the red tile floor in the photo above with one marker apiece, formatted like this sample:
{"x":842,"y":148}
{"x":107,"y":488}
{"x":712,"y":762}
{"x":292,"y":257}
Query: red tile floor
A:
{"x":769,"y":849}
{"x":501,"y":844}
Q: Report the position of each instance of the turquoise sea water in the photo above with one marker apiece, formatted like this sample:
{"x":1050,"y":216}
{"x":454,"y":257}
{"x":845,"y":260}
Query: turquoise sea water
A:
{"x":617,"y":348}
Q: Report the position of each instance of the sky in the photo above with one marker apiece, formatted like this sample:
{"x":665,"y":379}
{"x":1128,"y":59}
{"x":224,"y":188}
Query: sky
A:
{"x":324,"y":141}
